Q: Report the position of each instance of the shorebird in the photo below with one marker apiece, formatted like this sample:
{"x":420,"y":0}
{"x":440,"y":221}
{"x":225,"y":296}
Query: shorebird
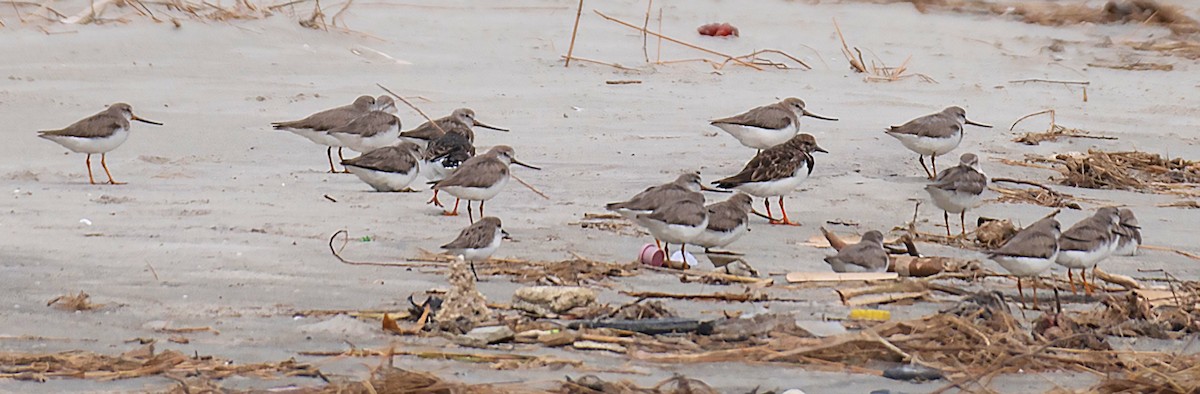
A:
{"x":768,"y":125}
{"x":775,"y":172}
{"x":1129,"y":234}
{"x":428,"y":131}
{"x":373,"y":130}
{"x":1087,"y":243}
{"x":442,"y":157}
{"x":1029,"y":253}
{"x":315,"y":126}
{"x":99,"y":133}
{"x":727,"y":221}
{"x":676,"y":222}
{"x":387,"y":169}
{"x":865,"y":256}
{"x":933,"y":135}
{"x":481,"y":177}
{"x":386,"y":104}
{"x":478,"y":241}
{"x":958,"y":189}
{"x":686,"y":187}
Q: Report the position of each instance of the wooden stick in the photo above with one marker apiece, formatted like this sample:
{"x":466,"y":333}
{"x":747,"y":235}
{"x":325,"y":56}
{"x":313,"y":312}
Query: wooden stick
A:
{"x":646,"y":25}
{"x":1029,"y":80}
{"x":705,"y":50}
{"x":856,"y":65}
{"x":1045,"y":111}
{"x":613,"y":65}
{"x":1022,"y":182}
{"x":658,"y":53}
{"x":346,"y":239}
{"x":1176,"y":251}
{"x":528,"y":186}
{"x":574,"y":31}
{"x":410,"y":105}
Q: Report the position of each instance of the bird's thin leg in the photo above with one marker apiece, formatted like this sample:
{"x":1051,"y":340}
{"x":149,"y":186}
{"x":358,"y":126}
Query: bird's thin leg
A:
{"x":666,"y":252}
{"x":962,"y":219}
{"x":473,"y":272}
{"x":456,"y":201}
{"x":1087,"y":287}
{"x":785,"y":217}
{"x":105,"y":165}
{"x":89,"y":166}
{"x":434,"y":200}
{"x":341,"y":159}
{"x":767,"y":203}
{"x":1035,"y":283}
{"x":946,"y":218}
{"x":921,"y":158}
{"x":1071,"y":280}
{"x":1021,"y":292}
{"x":470,"y":215}
{"x":660,"y":247}
{"x":329,"y":154}
{"x":683,"y":255}
{"x":933,"y":163}
{"x":481,"y":208}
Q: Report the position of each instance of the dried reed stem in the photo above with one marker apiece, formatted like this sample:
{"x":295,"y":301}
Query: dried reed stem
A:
{"x":574,"y":31}
{"x":645,"y":25}
{"x":696,"y":47}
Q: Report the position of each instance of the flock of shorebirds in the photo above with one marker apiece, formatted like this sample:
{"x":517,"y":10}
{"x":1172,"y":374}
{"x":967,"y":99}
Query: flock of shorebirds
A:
{"x":443,"y":151}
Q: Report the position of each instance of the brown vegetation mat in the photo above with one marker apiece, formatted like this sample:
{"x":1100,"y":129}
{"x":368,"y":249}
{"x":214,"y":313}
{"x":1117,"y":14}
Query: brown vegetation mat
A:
{"x":137,"y":363}
{"x":1185,"y":42}
{"x":1133,"y":170}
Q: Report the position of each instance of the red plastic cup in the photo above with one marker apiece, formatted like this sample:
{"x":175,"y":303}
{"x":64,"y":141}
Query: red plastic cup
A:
{"x":651,"y":255}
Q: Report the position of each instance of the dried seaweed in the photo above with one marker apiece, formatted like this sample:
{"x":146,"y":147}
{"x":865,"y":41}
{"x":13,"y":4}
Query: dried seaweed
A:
{"x":137,"y":363}
{"x":1132,"y":170}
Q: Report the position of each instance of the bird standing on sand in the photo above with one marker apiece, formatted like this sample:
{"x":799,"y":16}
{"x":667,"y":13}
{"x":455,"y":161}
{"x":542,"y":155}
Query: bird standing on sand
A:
{"x":933,"y":135}
{"x":865,"y":256}
{"x":387,"y":169}
{"x":99,"y":133}
{"x":314,"y":127}
{"x":768,"y":125}
{"x":373,"y":130}
{"x":478,"y":241}
{"x":1129,"y":234}
{"x":1087,"y":243}
{"x":727,"y":221}
{"x":481,"y":177}
{"x":676,"y":222}
{"x":958,"y":189}
{"x":776,"y":172}
{"x":1029,"y":253}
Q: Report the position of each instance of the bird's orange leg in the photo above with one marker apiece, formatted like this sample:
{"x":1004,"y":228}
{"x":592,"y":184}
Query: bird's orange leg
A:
{"x":1071,"y":280}
{"x":105,"y":165}
{"x":435,"y":201}
{"x":962,"y":219}
{"x":1087,"y":287}
{"x":89,"y":166}
{"x":921,"y":159}
{"x":1020,"y":292}
{"x":785,"y":219}
{"x":341,"y":159}
{"x":767,"y":203}
{"x":933,"y":163}
{"x":450,"y":213}
{"x":659,"y":243}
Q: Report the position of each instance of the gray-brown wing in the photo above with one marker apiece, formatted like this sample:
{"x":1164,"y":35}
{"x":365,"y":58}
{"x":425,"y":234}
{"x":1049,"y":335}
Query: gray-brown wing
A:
{"x":725,"y":216}
{"x":767,"y":117}
{"x":98,"y":125}
{"x":386,"y":159}
{"x":1085,"y":234}
{"x":770,"y":164}
{"x":324,"y":120}
{"x":863,"y":254}
{"x":1130,"y":232}
{"x":1034,"y":241}
{"x":475,"y":236}
{"x":933,"y":125}
{"x":426,"y":131}
{"x":369,"y":125}
{"x":961,"y":179}
{"x":685,"y":212}
{"x":656,"y":196}
{"x":478,"y":171}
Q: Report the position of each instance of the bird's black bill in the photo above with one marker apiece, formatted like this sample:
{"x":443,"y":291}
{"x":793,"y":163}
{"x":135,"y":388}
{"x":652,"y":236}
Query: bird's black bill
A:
{"x":487,"y":126}
{"x":812,"y":115}
{"x":517,"y":162}
{"x":709,"y":189}
{"x":506,"y":236}
{"x":974,"y":123}
{"x":820,"y":149}
{"x":146,"y":121}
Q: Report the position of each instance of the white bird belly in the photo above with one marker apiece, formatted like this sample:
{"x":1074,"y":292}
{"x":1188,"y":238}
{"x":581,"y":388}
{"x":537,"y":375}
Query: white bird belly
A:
{"x":1126,"y":247}
{"x":476,"y":193}
{"x":1082,"y":258}
{"x":674,"y":233}
{"x":775,"y":188}
{"x":91,"y":145}
{"x":952,"y":201}
{"x":482,"y":253}
{"x":1024,"y":266}
{"x":929,"y":146}
{"x":757,"y":137}
{"x":384,"y":181}
{"x":719,"y":239}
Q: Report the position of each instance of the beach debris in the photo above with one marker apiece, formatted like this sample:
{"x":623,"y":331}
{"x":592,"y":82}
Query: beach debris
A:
{"x":718,"y":30}
{"x":638,"y":310}
{"x":803,"y":277}
{"x":1053,"y":133}
{"x":651,"y":326}
{"x":139,"y":362}
{"x":482,"y":336}
{"x":746,"y":296}
{"x":463,"y":307}
{"x":593,"y":345}
{"x":993,"y":233}
{"x":1130,"y":170}
{"x":550,"y":301}
{"x":878,"y":72}
{"x":77,"y":302}
{"x":591,"y":384}
{"x":1041,"y":195}
{"x":912,"y":372}
{"x":737,"y":267}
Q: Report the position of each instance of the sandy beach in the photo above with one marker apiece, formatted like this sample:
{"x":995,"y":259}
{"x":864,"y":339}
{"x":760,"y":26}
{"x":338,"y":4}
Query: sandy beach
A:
{"x":224,"y":222}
